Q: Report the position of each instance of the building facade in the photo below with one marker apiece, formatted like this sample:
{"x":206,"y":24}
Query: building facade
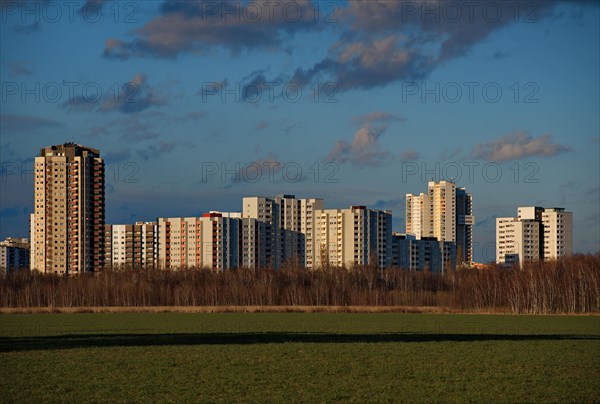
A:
{"x":67,"y":226}
{"x":536,"y":233}
{"x":288,"y":226}
{"x":446,"y":213}
{"x":130,"y":245}
{"x":517,"y":240}
{"x":14,"y":254}
{"x":354,"y":236}
{"x":426,"y":253}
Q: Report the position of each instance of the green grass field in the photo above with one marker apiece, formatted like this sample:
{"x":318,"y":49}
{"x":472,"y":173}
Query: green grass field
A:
{"x":298,"y":357}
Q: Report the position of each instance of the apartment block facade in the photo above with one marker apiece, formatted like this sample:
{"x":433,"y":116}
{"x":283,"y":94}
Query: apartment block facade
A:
{"x":426,"y":253}
{"x":131,"y":245}
{"x":517,"y":240}
{"x":67,"y":226}
{"x":446,"y":213}
{"x":354,"y":236}
{"x":14,"y":254}
{"x":288,"y":226}
{"x":536,"y":233}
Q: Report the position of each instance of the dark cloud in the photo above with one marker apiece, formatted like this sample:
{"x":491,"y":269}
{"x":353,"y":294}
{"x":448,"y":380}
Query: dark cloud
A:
{"x":19,"y":68}
{"x":156,"y":150}
{"x":516,"y":146}
{"x":27,"y":123}
{"x":200,"y":25}
{"x":194,"y":116}
{"x":409,"y":155}
{"x":364,"y":150}
{"x":394,"y":204}
{"x":211,"y":88}
{"x":134,"y":96}
{"x":366,"y":63}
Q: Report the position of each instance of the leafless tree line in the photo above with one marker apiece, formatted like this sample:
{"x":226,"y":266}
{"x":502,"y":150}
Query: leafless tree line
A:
{"x":567,"y":285}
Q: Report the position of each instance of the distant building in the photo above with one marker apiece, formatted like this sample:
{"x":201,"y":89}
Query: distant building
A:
{"x":446,"y":213}
{"x":131,"y":245}
{"x":351,"y":236}
{"x":408,"y":252}
{"x":517,"y":240}
{"x":289,"y":232}
{"x":536,"y":233}
{"x":67,"y":226}
{"x":14,"y":254}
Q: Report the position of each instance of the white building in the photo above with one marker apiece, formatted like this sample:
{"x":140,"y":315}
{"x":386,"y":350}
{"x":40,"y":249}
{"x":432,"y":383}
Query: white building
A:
{"x":536,"y":233}
{"x":288,"y":227}
{"x":357,"y":235}
{"x":446,"y":213}
{"x":517,"y":240}
{"x":558,"y":232}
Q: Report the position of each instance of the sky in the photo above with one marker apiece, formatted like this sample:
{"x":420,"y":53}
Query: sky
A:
{"x":194,"y":105}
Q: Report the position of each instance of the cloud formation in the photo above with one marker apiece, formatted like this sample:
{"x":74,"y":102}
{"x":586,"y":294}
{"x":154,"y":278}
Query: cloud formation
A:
{"x":26,"y":123}
{"x":134,"y":96}
{"x":156,"y":150}
{"x":516,"y":146}
{"x":200,"y":25}
{"x":364,"y":150}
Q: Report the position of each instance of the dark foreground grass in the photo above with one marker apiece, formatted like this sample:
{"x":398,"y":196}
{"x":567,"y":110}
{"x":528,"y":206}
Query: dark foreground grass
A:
{"x":298,"y":357}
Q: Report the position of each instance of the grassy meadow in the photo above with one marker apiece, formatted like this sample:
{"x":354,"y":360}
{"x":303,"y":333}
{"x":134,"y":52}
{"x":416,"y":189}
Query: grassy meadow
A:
{"x":299,"y":357}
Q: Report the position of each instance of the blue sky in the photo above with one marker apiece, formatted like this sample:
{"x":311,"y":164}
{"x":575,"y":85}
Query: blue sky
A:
{"x":357,"y":103}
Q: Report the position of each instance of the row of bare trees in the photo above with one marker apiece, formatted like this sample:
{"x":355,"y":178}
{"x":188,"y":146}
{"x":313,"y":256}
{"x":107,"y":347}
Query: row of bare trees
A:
{"x":568,"y":285}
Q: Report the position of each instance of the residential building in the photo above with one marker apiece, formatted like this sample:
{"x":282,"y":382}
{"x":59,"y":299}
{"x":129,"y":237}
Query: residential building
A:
{"x":517,"y":240}
{"x":288,"y":226}
{"x":14,"y":254}
{"x":209,"y":241}
{"x":418,"y":219}
{"x":464,"y":226}
{"x":67,"y":226}
{"x":558,"y":233}
{"x":131,"y":245}
{"x":354,"y":236}
{"x":446,"y":213}
{"x":426,"y":253}
{"x":536,"y":233}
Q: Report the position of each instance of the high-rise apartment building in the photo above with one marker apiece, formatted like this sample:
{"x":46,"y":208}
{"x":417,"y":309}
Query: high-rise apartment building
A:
{"x":288,"y":227}
{"x":446,"y":213}
{"x":357,"y":235}
{"x":536,"y":233}
{"x":211,"y":241}
{"x":464,"y":226}
{"x":408,"y":252}
{"x":558,"y":232}
{"x":517,"y":240}
{"x":14,"y":254}
{"x":130,"y":245}
{"x":418,"y":215}
{"x":67,"y":226}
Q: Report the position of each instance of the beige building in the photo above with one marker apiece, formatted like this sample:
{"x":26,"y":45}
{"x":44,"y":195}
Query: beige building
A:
{"x":517,"y":240}
{"x":67,"y":226}
{"x":446,"y":213}
{"x":130,"y":245}
{"x":558,"y":232}
{"x":211,"y":241}
{"x":536,"y":233}
{"x":289,"y":230}
{"x":344,"y":237}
